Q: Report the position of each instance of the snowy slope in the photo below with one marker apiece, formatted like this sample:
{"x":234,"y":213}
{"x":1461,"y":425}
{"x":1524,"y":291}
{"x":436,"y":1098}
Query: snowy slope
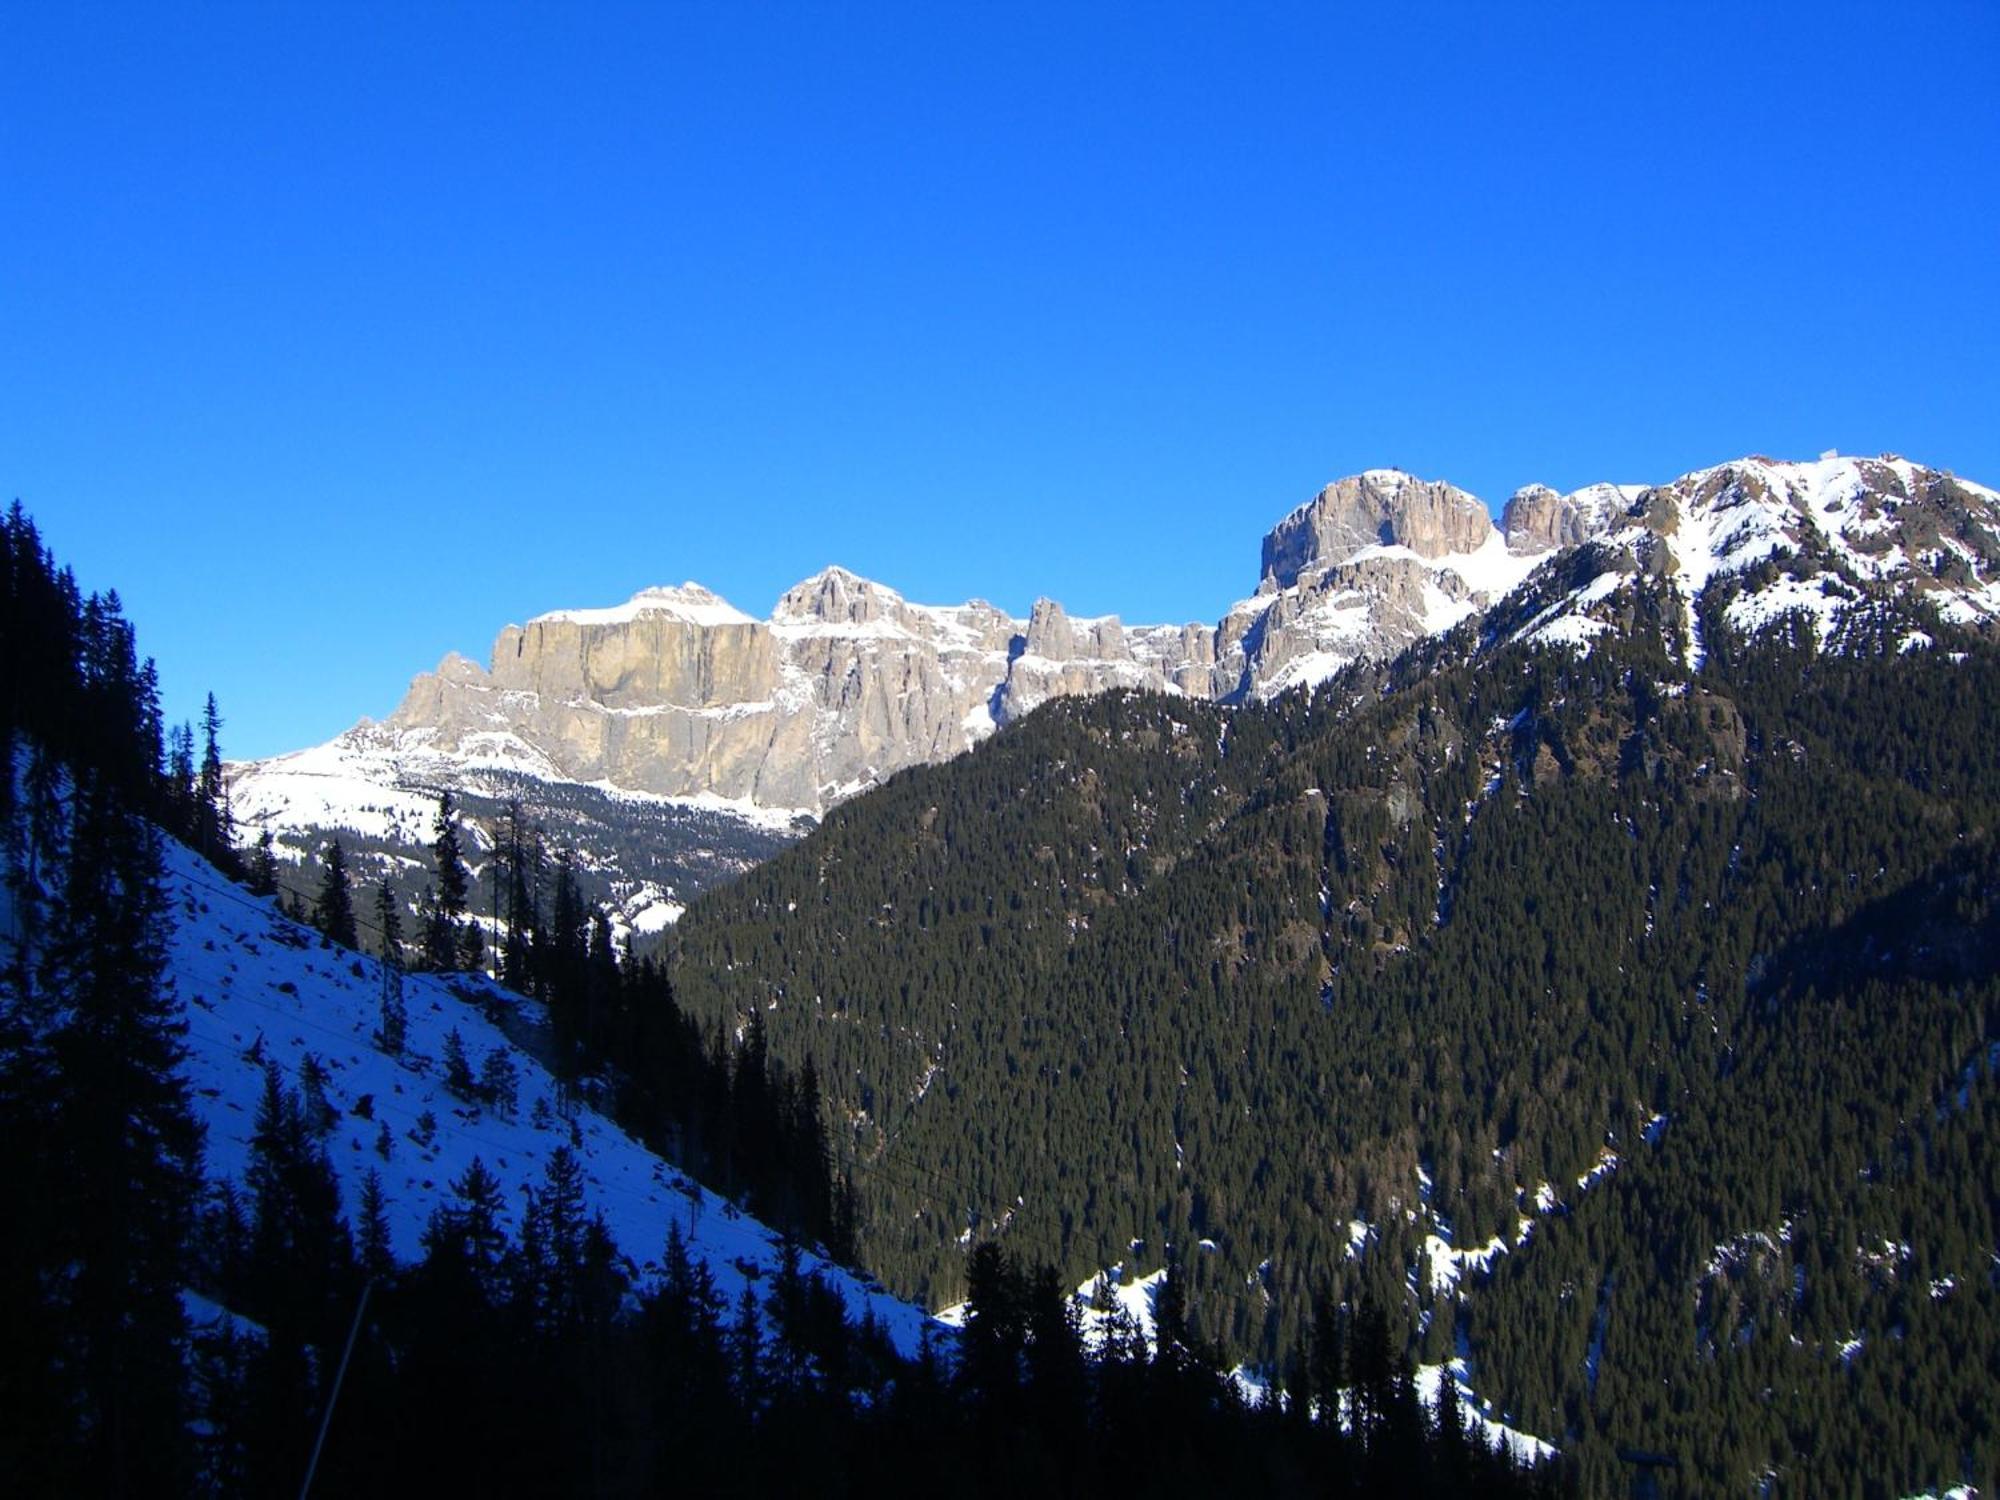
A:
{"x":254,"y":984}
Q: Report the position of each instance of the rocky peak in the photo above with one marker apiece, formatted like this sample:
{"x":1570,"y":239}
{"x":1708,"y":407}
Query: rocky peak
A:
{"x":1049,"y":634}
{"x":837,"y":597}
{"x":1538,"y":519}
{"x":1816,"y":542}
{"x":1382,"y":507}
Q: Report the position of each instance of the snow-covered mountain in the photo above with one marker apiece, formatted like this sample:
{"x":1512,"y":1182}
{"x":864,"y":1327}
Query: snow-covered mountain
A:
{"x":257,"y":988}
{"x":723,"y":735}
{"x":1822,"y":544}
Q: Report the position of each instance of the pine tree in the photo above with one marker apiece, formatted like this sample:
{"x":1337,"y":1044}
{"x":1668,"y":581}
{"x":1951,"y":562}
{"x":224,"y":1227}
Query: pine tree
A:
{"x":499,"y":1079}
{"x":552,"y":1245}
{"x":1172,"y":1340}
{"x":333,"y":911}
{"x":315,"y":1109}
{"x":394,"y":1029}
{"x":517,"y":905}
{"x":996,"y":1321}
{"x":181,"y":791}
{"x":372,"y":1234}
{"x":444,"y":938}
{"x":263,"y":871}
{"x":562,"y":967}
{"x":470,"y":1232}
{"x":746,"y":1351}
{"x":458,"y":1077}
{"x":1453,"y":1447}
{"x":214,"y":835}
{"x":301,"y":1251}
{"x":126,"y":1140}
{"x":389,"y":924}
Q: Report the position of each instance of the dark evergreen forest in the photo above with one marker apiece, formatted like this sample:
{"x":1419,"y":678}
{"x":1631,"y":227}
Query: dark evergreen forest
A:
{"x":1145,"y":979}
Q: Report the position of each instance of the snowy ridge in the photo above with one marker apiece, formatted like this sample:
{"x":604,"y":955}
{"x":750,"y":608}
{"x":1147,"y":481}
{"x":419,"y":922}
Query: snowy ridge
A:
{"x":1488,"y":569}
{"x":690,"y":604}
{"x":257,"y":987}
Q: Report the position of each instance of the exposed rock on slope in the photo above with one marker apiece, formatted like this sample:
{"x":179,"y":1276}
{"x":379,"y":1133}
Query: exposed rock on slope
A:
{"x":1383,"y":507}
{"x":677,"y":694}
{"x":1537,"y":519}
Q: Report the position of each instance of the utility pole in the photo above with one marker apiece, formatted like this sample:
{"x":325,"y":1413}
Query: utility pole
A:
{"x":326,"y":1420}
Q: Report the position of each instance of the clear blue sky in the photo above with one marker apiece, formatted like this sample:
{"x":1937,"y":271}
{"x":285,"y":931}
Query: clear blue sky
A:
{"x":338,"y":336}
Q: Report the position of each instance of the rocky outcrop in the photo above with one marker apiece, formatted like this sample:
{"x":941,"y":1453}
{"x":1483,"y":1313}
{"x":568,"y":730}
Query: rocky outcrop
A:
{"x":1383,"y":507}
{"x":1367,"y":566}
{"x":1537,"y":519}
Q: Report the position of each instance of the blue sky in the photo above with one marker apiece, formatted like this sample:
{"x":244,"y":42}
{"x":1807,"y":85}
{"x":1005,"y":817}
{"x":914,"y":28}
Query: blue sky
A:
{"x":338,"y":336}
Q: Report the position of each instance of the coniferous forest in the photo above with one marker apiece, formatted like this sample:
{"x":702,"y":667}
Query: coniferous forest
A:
{"x":1673,"y":990}
{"x":527,"y":1361}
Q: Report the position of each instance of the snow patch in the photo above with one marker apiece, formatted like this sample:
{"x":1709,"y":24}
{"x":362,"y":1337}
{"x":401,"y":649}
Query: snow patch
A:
{"x":1522,"y":1447}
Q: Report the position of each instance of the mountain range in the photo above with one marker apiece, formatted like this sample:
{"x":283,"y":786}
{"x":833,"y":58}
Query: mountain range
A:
{"x":674,"y":740}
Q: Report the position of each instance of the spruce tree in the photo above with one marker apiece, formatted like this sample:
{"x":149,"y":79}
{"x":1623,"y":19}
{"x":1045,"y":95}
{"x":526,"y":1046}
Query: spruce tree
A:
{"x":469,"y":1232}
{"x":126,"y":1138}
{"x":263,"y":871}
{"x":333,"y":910}
{"x":181,"y":794}
{"x":499,"y":1079}
{"x":389,"y":924}
{"x":301,"y":1251}
{"x":458,"y":1076}
{"x":214,"y":833}
{"x":394,"y":1030}
{"x":444,"y":938}
{"x":517,"y":904}
{"x":372,"y":1234}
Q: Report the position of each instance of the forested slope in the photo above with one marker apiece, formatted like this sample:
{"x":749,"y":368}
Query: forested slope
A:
{"x":1671,"y":989}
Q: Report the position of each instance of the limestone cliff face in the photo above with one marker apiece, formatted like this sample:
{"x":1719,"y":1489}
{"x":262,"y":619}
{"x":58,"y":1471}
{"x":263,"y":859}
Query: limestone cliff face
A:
{"x":1383,"y":507}
{"x":1368,"y":566}
{"x":679,"y":694}
{"x":1059,"y":655}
